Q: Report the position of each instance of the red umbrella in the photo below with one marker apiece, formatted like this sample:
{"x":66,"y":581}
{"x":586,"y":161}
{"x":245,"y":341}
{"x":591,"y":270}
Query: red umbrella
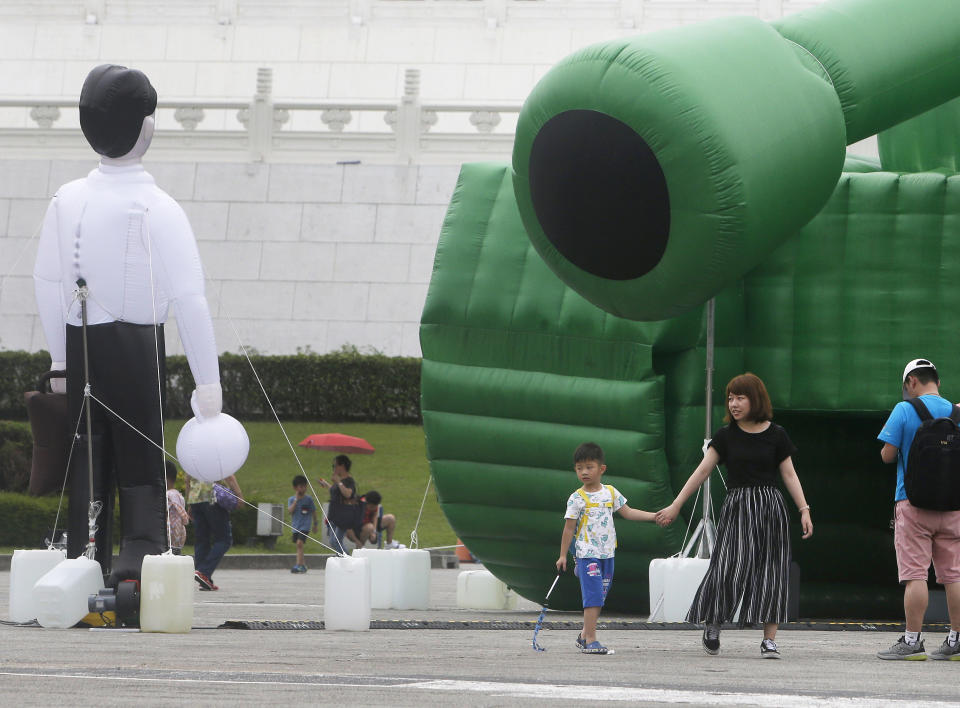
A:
{"x":336,"y":442}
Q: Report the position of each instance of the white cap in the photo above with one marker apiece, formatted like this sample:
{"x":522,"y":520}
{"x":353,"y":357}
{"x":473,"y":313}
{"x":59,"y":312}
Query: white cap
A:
{"x":917,"y":364}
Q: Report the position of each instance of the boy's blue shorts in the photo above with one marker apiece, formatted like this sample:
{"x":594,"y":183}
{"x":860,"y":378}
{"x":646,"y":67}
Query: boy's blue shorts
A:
{"x":596,"y":577}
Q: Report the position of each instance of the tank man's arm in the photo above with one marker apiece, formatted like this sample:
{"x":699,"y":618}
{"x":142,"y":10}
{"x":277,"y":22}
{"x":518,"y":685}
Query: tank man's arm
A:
{"x":48,"y":287}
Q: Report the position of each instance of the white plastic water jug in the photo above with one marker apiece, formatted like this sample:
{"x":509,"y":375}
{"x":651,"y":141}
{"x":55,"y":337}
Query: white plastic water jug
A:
{"x":26,"y":568}
{"x":673,"y":585}
{"x":411,"y":579}
{"x":346,"y":602}
{"x":62,"y":593}
{"x":166,"y":594}
{"x":482,"y":590}
{"x":381,"y":575}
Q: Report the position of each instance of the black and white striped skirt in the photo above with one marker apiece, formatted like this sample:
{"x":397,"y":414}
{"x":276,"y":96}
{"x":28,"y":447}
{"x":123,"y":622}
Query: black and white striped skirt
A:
{"x":751,"y":561}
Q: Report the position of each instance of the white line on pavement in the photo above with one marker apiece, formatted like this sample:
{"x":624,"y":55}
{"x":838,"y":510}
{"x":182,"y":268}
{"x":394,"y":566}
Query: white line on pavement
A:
{"x":658,"y":695}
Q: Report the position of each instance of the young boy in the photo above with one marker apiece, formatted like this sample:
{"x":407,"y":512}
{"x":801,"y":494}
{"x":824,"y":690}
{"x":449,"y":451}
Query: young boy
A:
{"x":302,"y":509}
{"x":589,"y":517}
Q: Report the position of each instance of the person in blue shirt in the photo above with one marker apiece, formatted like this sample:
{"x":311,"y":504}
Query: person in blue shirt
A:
{"x":921,"y":536}
{"x":303,"y":518}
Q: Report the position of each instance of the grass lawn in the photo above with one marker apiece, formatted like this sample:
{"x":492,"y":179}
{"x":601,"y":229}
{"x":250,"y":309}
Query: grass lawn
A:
{"x":398,"y":470}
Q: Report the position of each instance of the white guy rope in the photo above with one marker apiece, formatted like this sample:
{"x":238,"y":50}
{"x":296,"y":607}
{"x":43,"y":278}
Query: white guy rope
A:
{"x":414,"y":540}
{"x":156,"y":349}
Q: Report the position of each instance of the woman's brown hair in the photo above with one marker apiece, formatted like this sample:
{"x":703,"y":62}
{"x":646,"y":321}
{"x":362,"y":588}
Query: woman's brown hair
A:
{"x":752,"y":387}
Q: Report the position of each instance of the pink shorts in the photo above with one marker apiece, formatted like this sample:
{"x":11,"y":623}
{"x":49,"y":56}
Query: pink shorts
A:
{"x":921,"y":536}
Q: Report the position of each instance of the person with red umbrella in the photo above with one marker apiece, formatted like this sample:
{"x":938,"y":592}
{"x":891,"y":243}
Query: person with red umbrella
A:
{"x":343,"y":514}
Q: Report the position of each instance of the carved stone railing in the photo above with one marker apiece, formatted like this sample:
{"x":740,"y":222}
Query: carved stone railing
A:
{"x":268,"y":130}
{"x":494,"y":13}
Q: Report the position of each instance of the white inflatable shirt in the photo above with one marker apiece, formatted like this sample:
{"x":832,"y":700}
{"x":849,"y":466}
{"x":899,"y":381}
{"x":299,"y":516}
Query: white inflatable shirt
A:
{"x":123,"y":235}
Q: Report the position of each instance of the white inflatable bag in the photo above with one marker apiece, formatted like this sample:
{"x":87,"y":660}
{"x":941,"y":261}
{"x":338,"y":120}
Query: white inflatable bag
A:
{"x":210,"y":449}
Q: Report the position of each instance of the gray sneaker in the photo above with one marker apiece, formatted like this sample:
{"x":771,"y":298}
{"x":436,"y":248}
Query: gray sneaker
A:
{"x":903,"y":651}
{"x":946,"y":652}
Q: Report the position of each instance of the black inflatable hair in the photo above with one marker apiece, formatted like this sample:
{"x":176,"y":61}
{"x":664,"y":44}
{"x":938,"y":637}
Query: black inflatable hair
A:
{"x":113,"y":103}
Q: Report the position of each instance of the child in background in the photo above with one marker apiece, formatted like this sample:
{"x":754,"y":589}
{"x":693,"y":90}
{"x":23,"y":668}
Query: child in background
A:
{"x":589,"y":518}
{"x":374,"y":524}
{"x":302,"y":511}
{"x":177,"y":517}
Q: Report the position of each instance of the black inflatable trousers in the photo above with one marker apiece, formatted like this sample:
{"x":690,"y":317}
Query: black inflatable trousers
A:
{"x":123,"y":361}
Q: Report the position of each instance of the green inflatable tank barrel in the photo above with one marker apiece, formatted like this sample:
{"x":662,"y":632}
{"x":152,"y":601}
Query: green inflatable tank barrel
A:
{"x":650,"y":171}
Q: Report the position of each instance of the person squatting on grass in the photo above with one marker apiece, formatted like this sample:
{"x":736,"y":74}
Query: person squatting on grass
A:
{"x":589,"y":519}
{"x":750,"y":564}
{"x":373,"y":524}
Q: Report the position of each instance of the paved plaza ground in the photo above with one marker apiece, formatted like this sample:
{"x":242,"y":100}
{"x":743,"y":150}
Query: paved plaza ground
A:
{"x":215,"y":666}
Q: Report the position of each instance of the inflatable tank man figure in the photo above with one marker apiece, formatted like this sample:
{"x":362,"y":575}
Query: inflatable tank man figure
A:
{"x":131,"y":245}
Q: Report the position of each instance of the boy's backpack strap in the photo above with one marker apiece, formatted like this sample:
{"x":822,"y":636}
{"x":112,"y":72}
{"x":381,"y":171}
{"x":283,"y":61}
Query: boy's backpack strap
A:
{"x":584,"y":514}
{"x":613,"y":496}
{"x":921,"y":408}
{"x":955,"y":414}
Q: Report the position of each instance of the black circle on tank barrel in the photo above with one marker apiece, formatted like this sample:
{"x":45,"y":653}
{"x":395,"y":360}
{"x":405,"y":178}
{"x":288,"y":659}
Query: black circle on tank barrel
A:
{"x":599,"y":194}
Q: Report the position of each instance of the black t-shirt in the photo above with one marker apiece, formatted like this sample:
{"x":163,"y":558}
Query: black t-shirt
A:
{"x":344,"y":513}
{"x":752,"y":459}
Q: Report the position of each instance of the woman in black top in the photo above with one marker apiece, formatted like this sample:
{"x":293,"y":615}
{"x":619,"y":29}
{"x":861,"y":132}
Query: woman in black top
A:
{"x":751,"y":560}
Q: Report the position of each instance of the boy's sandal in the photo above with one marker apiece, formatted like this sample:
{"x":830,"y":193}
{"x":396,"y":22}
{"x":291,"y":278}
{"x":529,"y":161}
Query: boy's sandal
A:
{"x":595,"y":648}
{"x":581,"y":642}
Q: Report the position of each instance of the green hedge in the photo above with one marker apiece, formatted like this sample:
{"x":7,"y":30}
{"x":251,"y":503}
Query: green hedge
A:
{"x":16,"y":449}
{"x":342,"y":386}
{"x":25,"y":521}
{"x":19,"y":372}
{"x":28,"y":521}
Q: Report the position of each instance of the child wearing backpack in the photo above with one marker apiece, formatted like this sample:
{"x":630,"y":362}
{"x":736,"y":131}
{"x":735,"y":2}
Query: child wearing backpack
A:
{"x":589,"y":520}
{"x":926,"y":528}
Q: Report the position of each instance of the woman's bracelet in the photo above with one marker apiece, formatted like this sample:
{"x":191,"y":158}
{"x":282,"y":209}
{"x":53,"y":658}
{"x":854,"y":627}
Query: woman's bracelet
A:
{"x":804,"y":508}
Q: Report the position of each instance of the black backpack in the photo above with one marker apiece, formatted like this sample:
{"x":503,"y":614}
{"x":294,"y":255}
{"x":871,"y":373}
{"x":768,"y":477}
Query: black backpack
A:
{"x":932,"y":476}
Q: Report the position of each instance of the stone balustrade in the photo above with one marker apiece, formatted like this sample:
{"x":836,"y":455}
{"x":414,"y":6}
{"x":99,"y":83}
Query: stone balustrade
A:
{"x":268,"y":129}
{"x":494,"y":13}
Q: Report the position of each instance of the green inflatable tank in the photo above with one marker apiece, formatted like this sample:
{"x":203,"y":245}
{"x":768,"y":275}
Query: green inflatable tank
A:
{"x":818,"y":276}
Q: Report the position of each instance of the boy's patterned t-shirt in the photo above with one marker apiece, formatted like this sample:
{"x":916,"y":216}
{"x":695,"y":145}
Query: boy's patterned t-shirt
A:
{"x":598,"y":537}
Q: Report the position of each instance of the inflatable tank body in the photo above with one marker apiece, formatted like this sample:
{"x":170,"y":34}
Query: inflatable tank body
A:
{"x":532,"y":344}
